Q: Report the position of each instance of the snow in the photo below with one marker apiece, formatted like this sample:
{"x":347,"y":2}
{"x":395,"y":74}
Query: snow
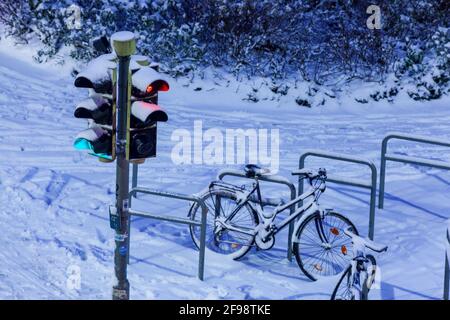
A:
{"x":142,"y":111}
{"x":99,"y":68}
{"x":55,"y":199}
{"x":90,"y":104}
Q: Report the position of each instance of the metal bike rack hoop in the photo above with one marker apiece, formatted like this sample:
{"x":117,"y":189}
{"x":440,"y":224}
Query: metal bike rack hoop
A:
{"x":179,"y":196}
{"x":372,"y":186}
{"x":406,"y":159}
{"x":273,"y":179}
{"x":447,"y":264}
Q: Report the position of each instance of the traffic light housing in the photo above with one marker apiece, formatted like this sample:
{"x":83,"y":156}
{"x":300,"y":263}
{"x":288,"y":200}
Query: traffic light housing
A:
{"x":96,"y":108}
{"x":143,"y":129}
{"x":98,"y":75}
{"x":145,"y":113}
{"x":100,"y":109}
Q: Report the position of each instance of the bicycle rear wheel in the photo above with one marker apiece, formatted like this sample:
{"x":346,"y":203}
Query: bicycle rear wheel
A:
{"x":221,"y":203}
{"x":320,"y":246}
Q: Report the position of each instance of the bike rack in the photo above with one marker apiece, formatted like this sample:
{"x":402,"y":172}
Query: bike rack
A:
{"x":372,"y":186}
{"x":406,"y":159}
{"x":447,"y":265}
{"x":202,"y":224}
{"x":273,"y":179}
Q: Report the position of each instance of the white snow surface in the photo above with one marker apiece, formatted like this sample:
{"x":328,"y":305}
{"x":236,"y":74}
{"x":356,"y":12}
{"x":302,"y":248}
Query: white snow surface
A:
{"x":55,"y":199}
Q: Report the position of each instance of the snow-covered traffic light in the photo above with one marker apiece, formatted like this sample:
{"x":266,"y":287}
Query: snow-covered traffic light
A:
{"x":99,"y":78}
{"x":145,"y":113}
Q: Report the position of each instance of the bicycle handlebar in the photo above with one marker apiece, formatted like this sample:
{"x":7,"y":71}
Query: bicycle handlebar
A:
{"x":307,"y":173}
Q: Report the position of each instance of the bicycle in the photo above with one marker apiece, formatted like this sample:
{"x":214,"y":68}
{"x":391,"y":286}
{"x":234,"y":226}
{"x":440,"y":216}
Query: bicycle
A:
{"x":237,"y":221}
{"x":357,"y":280}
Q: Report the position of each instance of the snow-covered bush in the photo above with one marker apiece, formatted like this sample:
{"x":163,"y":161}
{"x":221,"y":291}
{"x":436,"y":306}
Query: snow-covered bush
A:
{"x":324,"y":42}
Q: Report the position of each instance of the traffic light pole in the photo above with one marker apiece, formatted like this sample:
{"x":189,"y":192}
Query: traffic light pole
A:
{"x":124,"y":44}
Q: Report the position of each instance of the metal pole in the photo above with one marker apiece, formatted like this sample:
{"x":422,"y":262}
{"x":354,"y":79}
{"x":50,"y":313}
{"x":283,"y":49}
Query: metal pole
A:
{"x":292,"y":224}
{"x":382,"y":173}
{"x":446,"y":277}
{"x":447,"y":266}
{"x":134,"y":178}
{"x":201,"y":256}
{"x":373,"y":201}
{"x":124,"y":44}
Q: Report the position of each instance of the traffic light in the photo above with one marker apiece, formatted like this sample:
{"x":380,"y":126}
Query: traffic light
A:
{"x":99,"y":78}
{"x":145,"y":113}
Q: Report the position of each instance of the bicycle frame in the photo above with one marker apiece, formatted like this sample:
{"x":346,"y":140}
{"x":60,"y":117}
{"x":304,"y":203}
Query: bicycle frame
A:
{"x":312,"y":193}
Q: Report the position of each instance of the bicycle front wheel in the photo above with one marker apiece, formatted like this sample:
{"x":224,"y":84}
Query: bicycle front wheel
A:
{"x":320,"y":246}
{"x":222,"y":205}
{"x":371,"y":271}
{"x":343,"y":289}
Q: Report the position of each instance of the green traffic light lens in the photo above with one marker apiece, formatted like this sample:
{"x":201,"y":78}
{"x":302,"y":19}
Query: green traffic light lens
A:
{"x":83,"y":144}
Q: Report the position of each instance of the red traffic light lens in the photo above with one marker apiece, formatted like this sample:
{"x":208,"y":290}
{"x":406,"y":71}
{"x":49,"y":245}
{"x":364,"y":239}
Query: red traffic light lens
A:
{"x":158,"y":85}
{"x":164,"y":86}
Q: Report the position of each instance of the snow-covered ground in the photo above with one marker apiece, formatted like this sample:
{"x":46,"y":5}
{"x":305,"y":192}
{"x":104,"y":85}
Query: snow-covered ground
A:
{"x":54,"y":199}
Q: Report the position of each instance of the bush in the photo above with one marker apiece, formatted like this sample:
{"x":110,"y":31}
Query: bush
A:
{"x":320,"y":41}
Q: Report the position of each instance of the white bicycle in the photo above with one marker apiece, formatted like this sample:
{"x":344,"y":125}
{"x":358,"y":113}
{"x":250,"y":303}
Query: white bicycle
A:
{"x":359,"y":276}
{"x":238,"y":221}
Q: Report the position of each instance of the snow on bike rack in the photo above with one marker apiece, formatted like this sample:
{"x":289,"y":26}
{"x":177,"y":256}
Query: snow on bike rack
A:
{"x":406,"y":159}
{"x":372,"y":185}
{"x":272,"y":179}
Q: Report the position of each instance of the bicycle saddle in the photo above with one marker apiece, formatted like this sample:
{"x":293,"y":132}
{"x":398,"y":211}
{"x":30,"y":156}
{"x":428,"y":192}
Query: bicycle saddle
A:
{"x":252,"y":170}
{"x":365,"y":242}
